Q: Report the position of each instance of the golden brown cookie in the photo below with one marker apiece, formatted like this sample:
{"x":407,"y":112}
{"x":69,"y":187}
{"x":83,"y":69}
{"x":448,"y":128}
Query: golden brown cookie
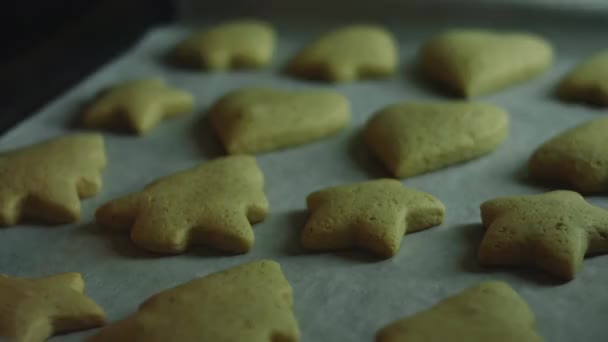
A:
{"x":418,"y":137}
{"x":251,"y":302}
{"x":552,"y":231}
{"x":254,"y":120}
{"x":237,"y":44}
{"x":577,"y":157}
{"x":211,"y":204}
{"x":45,"y":181}
{"x":476,"y":62}
{"x":490,"y":311}
{"x":373,"y":215}
{"x":588,"y":82}
{"x":347,"y":54}
{"x":136,"y":106}
{"x":33,"y":309}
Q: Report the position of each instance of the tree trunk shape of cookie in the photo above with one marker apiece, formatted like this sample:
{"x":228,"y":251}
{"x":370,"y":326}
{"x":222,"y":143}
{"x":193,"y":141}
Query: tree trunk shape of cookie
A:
{"x":577,"y":157}
{"x":251,"y":302}
{"x":373,"y":215}
{"x":45,"y":181}
{"x":212,"y":204}
{"x":490,"y":311}
{"x":254,"y":120}
{"x":476,"y":62}
{"x":32,"y":310}
{"x":552,"y":231}
{"x":136,"y":106}
{"x":348,"y":54}
{"x":418,"y":137}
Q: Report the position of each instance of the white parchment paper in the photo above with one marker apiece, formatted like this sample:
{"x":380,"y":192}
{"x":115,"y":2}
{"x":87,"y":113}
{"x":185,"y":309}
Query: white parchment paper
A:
{"x":338,"y":296}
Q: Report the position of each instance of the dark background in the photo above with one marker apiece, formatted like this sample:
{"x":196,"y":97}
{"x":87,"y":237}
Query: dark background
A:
{"x":48,"y":46}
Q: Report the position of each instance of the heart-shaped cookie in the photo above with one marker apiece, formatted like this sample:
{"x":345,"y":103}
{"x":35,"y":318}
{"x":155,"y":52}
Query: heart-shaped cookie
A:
{"x":578,"y":157}
{"x":588,"y":82}
{"x":417,"y":137}
{"x":253,"y":120}
{"x":476,"y":62}
{"x":347,"y":54}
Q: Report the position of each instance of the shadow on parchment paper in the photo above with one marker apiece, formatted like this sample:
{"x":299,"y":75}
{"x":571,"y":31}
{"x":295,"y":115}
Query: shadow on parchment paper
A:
{"x":359,"y":255}
{"x":472,"y":235}
{"x":522,"y":176}
{"x":120,"y":243}
{"x":205,"y":138}
{"x":295,"y":223}
{"x":414,"y":73}
{"x":117,"y":240}
{"x":75,"y":121}
{"x":364,"y":158}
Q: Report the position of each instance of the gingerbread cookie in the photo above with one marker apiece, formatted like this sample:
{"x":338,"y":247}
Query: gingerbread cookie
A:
{"x":490,"y":311}
{"x":418,"y":137}
{"x":588,"y":82}
{"x":373,"y":215}
{"x":211,"y":204}
{"x":45,"y":181}
{"x":238,"y":44}
{"x":577,"y":157}
{"x":348,"y":54}
{"x":552,"y":232}
{"x":137,"y":106}
{"x":251,"y":302}
{"x":253,"y":120}
{"x":476,"y":62}
{"x":33,"y":309}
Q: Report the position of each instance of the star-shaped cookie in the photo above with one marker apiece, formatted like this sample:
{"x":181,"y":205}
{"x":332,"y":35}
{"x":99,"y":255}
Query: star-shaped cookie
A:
{"x":578,"y":157}
{"x":232,"y":45}
{"x":475,"y":62}
{"x":588,"y":82}
{"x":44,"y":181}
{"x":372,"y":215}
{"x":490,"y":311}
{"x":33,"y":309}
{"x":552,"y":231}
{"x":253,"y":120}
{"x":136,"y":106}
{"x":347,"y":54}
{"x":212,"y":204}
{"x":418,"y":137}
{"x":251,"y":302}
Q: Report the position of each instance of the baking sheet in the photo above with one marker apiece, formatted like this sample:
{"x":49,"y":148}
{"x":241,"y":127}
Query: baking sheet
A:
{"x":338,"y":296}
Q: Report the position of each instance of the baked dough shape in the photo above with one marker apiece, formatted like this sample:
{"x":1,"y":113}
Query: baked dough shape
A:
{"x":250,"y":302}
{"x":577,"y":157}
{"x":232,"y":45}
{"x":33,"y":309}
{"x":588,"y":82}
{"x":211,"y":204}
{"x":490,"y":311}
{"x":418,"y":137}
{"x":476,"y":62}
{"x":46,"y":180}
{"x":136,"y":106}
{"x":253,"y":120}
{"x":347,"y":54}
{"x":552,"y":232}
{"x":373,"y":215}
